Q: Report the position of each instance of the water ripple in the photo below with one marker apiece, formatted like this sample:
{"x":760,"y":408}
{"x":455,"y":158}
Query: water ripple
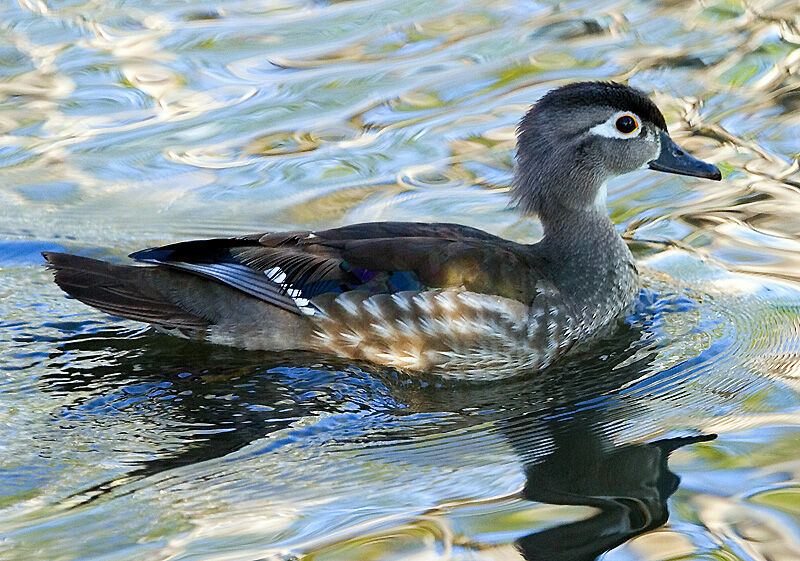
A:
{"x":134,"y":124}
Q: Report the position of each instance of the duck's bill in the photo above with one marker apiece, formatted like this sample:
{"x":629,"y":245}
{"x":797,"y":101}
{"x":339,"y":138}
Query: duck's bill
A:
{"x":674,"y":159}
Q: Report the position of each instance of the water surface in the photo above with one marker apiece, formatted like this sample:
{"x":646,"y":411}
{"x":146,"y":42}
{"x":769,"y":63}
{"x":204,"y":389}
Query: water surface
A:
{"x":130,"y":124}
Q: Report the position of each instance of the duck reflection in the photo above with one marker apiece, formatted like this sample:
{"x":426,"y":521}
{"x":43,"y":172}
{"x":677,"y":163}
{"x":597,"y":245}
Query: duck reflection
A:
{"x":561,"y":423}
{"x":628,"y":485}
{"x":564,"y":427}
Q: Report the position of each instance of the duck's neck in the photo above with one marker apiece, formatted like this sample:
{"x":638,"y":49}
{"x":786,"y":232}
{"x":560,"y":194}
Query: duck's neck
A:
{"x":588,"y":260}
{"x":590,"y":229}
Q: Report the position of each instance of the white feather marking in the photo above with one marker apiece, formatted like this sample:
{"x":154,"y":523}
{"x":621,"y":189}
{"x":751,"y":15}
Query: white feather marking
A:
{"x":275,"y":274}
{"x":306,"y":307}
{"x":372,"y":308}
{"x":352,"y":338}
{"x":405,"y":359}
{"x":409,"y":359}
{"x":552,"y":324}
{"x":402,"y":301}
{"x":381,"y":330}
{"x":427,"y":325}
{"x":657,"y":140}
{"x":608,"y":127}
{"x":321,"y":335}
{"x":535,"y":314}
{"x":465,"y":327}
{"x":445,"y":300}
{"x":469,"y":298}
{"x":347,"y":304}
{"x":602,"y":196}
{"x":405,"y":327}
{"x":424,"y":305}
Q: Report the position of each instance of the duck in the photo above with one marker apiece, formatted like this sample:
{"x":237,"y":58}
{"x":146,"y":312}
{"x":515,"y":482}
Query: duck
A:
{"x":438,"y":298}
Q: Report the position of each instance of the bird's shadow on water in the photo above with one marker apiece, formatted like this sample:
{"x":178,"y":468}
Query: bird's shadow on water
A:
{"x":235,"y":398}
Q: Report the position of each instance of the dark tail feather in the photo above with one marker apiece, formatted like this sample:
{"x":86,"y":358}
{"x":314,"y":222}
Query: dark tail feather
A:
{"x":119,"y":290}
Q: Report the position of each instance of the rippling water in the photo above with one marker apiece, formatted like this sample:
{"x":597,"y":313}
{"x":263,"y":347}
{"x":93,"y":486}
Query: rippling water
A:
{"x":129,"y":124}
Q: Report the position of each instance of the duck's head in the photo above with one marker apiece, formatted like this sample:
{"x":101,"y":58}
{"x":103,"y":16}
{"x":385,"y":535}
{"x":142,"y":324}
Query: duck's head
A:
{"x":578,"y":136}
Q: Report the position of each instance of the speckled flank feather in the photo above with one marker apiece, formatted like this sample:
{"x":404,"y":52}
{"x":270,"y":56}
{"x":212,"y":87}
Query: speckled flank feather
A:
{"x":456,"y":333}
{"x":448,"y":331}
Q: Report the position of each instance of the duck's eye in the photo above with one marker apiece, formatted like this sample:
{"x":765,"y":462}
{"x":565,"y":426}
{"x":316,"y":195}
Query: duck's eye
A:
{"x":627,"y":124}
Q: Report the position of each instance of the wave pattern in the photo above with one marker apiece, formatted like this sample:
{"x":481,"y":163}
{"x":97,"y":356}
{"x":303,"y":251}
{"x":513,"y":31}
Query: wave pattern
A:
{"x":130,"y":124}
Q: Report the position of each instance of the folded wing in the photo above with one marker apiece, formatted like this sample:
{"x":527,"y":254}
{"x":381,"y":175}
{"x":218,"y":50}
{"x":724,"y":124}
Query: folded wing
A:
{"x":289,"y":269}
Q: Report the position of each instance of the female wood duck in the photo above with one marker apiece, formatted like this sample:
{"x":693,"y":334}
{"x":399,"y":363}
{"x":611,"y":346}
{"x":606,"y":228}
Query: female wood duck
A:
{"x":440,"y":298}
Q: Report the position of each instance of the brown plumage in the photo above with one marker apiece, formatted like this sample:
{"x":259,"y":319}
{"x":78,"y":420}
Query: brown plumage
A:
{"x":442,"y":298}
{"x":120,"y":290}
{"x":435,"y":297}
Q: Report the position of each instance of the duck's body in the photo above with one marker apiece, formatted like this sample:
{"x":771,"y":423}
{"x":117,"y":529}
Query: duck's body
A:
{"x":441,"y":298}
{"x":426,"y":297}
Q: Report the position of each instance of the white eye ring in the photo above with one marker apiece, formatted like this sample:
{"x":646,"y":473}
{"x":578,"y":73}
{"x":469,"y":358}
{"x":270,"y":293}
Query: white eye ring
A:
{"x":609,"y":128}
